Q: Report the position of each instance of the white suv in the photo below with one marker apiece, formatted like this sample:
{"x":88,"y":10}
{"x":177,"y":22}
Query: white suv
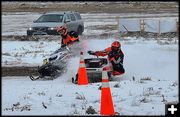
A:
{"x":46,"y":24}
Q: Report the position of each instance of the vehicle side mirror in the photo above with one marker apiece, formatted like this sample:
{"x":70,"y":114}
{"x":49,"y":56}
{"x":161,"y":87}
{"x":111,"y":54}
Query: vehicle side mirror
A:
{"x":67,"y":20}
{"x":34,"y":21}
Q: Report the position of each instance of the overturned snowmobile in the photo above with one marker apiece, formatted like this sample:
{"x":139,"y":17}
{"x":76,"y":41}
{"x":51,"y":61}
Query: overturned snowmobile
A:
{"x":94,"y":68}
{"x":54,"y":65}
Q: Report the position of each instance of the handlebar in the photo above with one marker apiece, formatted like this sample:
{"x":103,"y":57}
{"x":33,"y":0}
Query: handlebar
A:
{"x":92,"y":53}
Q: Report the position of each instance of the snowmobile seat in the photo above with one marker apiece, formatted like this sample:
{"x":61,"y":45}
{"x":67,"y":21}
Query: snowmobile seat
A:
{"x":95,"y":63}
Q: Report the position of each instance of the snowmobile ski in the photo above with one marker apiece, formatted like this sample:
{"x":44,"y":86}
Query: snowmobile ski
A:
{"x":43,"y":77}
{"x":33,"y":78}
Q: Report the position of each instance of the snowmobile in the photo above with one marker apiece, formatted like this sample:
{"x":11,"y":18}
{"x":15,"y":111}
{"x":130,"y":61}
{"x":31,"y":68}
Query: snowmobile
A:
{"x":94,"y":68}
{"x":54,"y":65}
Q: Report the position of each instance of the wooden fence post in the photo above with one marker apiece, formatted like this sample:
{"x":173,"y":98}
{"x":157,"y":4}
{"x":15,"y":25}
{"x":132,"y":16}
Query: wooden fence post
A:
{"x":118,"y":20}
{"x":177,"y":27}
{"x":159,"y":27}
{"x":141,"y":25}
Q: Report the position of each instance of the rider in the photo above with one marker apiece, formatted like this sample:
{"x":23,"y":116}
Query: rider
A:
{"x":115,"y":56}
{"x":67,"y":37}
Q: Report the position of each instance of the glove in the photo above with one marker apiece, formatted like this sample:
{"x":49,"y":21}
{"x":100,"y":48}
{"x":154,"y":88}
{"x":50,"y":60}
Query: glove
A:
{"x":91,"y":53}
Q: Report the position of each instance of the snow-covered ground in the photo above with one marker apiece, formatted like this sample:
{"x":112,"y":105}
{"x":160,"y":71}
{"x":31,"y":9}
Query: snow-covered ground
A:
{"x":150,"y":81}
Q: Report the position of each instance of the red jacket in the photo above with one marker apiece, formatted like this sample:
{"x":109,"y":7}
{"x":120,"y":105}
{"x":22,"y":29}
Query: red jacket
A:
{"x":118,"y":57}
{"x":68,"y":39}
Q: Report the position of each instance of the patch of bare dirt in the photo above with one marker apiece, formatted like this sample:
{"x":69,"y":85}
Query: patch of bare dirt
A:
{"x":18,"y":71}
{"x":92,"y":7}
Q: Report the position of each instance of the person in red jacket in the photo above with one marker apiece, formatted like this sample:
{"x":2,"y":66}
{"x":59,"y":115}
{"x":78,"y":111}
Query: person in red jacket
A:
{"x":115,"y":56}
{"x":67,"y":37}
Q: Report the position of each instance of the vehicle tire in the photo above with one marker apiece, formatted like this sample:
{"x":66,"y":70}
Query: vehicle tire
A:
{"x":80,"y":30}
{"x":29,"y":34}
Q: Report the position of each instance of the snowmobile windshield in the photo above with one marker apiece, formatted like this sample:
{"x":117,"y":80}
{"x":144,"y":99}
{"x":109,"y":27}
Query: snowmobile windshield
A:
{"x":50,"y":18}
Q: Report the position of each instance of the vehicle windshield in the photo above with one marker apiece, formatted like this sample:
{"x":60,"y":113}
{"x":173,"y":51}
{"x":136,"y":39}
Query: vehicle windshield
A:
{"x":50,"y":18}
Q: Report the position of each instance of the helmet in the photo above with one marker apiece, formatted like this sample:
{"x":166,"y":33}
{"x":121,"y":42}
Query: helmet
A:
{"x":115,"y":45}
{"x":62,"y":30}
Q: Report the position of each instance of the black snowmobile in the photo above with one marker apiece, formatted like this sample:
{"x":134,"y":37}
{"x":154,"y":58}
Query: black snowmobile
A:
{"x":54,"y":65}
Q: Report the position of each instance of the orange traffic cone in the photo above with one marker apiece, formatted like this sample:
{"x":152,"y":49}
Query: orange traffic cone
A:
{"x":107,"y":107}
{"x":82,"y":75}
